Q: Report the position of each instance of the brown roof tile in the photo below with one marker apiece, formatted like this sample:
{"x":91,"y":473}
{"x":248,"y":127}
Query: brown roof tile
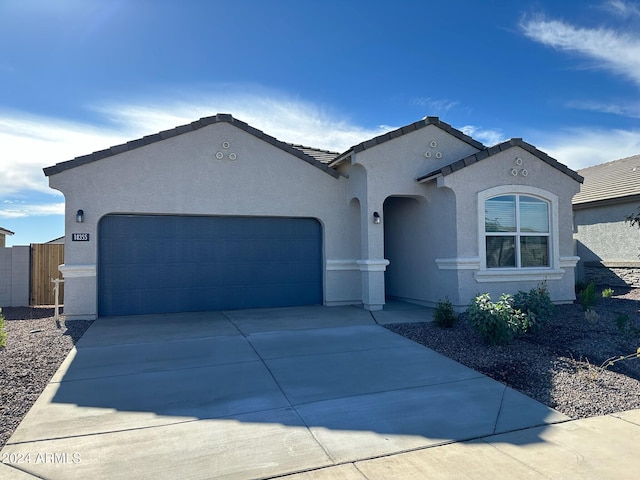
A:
{"x":607,"y":182}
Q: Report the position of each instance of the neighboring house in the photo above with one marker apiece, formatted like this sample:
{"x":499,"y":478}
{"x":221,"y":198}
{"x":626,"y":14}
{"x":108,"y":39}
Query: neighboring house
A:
{"x":608,"y":246}
{"x":56,"y":241}
{"x":219,"y":215}
{"x":14,"y":273}
{"x":3,"y":234}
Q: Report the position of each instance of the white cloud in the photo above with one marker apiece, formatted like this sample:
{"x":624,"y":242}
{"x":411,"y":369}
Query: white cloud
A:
{"x":292,"y":121}
{"x":613,"y":50}
{"x":582,"y":147}
{"x":436,"y":106}
{"x":29,"y":143}
{"x":22,"y":210}
{"x":630,"y":109}
{"x":486,"y":136}
{"x":622,"y":9}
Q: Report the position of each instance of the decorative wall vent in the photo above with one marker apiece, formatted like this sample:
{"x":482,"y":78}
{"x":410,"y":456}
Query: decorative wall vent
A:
{"x":515,"y":171}
{"x":226,"y":146}
{"x":433,"y":145}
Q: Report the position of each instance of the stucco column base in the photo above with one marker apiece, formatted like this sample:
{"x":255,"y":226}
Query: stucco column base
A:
{"x":80,"y":292}
{"x":373,"y":292}
{"x":373,"y":308}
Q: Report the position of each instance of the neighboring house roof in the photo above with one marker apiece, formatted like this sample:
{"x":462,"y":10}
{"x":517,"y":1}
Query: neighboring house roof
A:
{"x":610,"y":182}
{"x":425,"y":122}
{"x":4,"y":231}
{"x":501,"y":147}
{"x":57,"y":240}
{"x":307,"y":154}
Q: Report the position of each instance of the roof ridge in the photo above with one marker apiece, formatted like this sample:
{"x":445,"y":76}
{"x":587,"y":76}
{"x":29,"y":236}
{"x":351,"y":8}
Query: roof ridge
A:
{"x":493,"y":150}
{"x":424,"y":122}
{"x":631,"y":157}
{"x":186,"y":128}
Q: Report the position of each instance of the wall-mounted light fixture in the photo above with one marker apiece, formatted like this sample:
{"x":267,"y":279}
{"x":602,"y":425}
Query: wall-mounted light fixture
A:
{"x":376,"y":218}
{"x":80,"y":216}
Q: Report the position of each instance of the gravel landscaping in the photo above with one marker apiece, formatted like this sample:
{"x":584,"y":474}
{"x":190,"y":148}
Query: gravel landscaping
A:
{"x":36,"y":346}
{"x":560,"y":366}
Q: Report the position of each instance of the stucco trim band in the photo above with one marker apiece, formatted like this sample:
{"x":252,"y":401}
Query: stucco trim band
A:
{"x":569,"y":262}
{"x":373,"y":265}
{"x":459,"y":263}
{"x":333,"y":265}
{"x":502,"y":275}
{"x":77,"y":271}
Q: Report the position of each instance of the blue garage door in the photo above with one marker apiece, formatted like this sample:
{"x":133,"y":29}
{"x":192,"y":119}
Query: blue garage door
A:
{"x":162,"y":264}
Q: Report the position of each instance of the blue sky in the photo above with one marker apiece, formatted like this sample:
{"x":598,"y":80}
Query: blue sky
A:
{"x":78,"y":76}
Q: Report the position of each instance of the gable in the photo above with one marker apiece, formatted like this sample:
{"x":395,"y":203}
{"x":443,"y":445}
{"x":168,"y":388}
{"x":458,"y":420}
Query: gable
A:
{"x":407,"y":129}
{"x":315,"y":157}
{"x":490,"y":152}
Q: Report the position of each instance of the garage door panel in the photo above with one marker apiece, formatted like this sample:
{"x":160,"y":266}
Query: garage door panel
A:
{"x":155,"y":264}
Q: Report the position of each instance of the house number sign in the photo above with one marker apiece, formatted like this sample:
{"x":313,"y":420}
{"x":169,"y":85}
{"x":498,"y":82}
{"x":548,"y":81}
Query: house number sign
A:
{"x":79,"y":237}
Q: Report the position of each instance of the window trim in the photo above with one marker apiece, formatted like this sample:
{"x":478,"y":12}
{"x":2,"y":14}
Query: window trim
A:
{"x":507,"y":274}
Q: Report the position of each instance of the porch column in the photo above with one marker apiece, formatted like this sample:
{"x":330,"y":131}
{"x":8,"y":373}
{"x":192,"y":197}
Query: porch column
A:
{"x":373,"y":264}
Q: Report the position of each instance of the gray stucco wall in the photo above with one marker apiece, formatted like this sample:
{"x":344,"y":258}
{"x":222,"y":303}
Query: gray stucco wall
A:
{"x":541,"y":179}
{"x":181,"y":175}
{"x":421,"y":219}
{"x":607,"y":246}
{"x":428,"y":235}
{"x":14,"y":276}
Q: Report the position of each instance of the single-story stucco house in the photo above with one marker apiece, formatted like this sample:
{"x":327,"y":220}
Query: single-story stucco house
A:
{"x":217,"y":214}
{"x":3,"y":234}
{"x":607,"y":245}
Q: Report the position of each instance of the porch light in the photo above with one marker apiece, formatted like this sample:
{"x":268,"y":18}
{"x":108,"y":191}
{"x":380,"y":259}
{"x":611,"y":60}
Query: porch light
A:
{"x":376,"y":218}
{"x":80,"y":216}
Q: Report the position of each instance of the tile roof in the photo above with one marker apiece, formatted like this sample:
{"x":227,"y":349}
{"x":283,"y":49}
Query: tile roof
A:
{"x":323,"y":156}
{"x":501,"y":147}
{"x":425,"y":122}
{"x":307,"y":154}
{"x":610,"y":182}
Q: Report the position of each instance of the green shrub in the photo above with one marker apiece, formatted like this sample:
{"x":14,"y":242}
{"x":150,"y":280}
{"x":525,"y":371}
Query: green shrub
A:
{"x":3,"y":333}
{"x":587,"y":297}
{"x":444,"y":316}
{"x":626,"y":325}
{"x":537,"y":307}
{"x":607,"y":292}
{"x":497,"y":323}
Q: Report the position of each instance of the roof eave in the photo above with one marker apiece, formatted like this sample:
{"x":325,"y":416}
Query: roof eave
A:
{"x":179,"y":130}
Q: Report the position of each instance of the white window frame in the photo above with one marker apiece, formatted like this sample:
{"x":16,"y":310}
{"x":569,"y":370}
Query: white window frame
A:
{"x":518,"y":273}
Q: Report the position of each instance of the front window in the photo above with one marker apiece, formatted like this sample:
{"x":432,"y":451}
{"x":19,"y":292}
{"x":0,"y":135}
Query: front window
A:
{"x":516,"y":232}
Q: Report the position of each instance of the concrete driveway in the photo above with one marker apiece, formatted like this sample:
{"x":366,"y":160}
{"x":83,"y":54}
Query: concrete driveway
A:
{"x":259,"y":394}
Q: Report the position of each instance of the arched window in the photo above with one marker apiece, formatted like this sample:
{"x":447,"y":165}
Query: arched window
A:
{"x":517,"y":232}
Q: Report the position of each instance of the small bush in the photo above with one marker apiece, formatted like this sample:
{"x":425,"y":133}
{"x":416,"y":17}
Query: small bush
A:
{"x":444,"y":316}
{"x":626,"y":325}
{"x":591,"y":315}
{"x":497,"y":323}
{"x":537,"y":306}
{"x":587,"y":297}
{"x":3,"y":333}
{"x":607,"y":292}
